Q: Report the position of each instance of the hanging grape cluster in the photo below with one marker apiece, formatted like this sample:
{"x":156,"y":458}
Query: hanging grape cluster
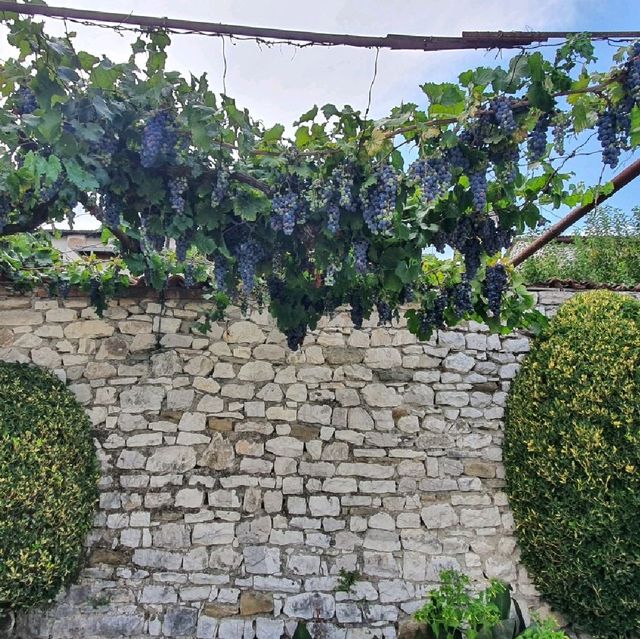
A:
{"x":559,"y":130}
{"x":159,"y":139}
{"x":494,"y":286}
{"x":502,"y":107}
{"x":152,"y":241}
{"x":379,"y":199}
{"x":537,"y":139}
{"x":471,"y":236}
{"x":105,"y":148}
{"x":112,"y":208}
{"x":614,"y":123}
{"x":221,"y":272}
{"x":460,"y":298}
{"x":177,"y":188}
{"x":189,"y":276}
{"x":478,"y":183}
{"x":289,"y":204}
{"x":248,"y":254}
{"x":323,"y":198}
{"x":432,"y":314}
{"x":47,"y":193}
{"x":607,"y":135}
{"x":220,"y":185}
{"x":182,"y":246}
{"x":361,"y":256}
{"x":385,"y":313}
{"x":343,"y":179}
{"x":432,"y":175}
{"x":25,"y":101}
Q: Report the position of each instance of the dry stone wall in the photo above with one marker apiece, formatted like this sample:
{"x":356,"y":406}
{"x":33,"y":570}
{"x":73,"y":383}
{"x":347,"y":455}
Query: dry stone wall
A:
{"x":239,"y":479}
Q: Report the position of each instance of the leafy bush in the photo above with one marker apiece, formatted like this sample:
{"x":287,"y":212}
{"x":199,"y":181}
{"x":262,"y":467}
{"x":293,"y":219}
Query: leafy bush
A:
{"x":454,"y":611}
{"x":48,"y":485}
{"x":572,"y":455}
{"x":451,"y":608}
{"x":607,"y":253}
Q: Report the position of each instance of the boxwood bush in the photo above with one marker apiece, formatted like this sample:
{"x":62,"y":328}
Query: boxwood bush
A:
{"x":572,"y":455}
{"x":48,"y":485}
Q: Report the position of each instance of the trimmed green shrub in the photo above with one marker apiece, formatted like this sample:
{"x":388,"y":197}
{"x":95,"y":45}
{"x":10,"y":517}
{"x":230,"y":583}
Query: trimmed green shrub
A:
{"x":572,"y":456}
{"x":48,"y":485}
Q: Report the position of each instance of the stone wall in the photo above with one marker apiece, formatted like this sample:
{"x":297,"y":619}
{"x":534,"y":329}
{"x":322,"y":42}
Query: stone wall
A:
{"x":239,"y":478}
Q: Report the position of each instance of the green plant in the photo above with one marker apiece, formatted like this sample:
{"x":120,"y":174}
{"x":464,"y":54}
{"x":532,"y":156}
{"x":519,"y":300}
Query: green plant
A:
{"x":48,"y":485}
{"x":325,"y":216}
{"x":607,"y":252}
{"x":346,"y":580}
{"x":572,"y":456}
{"x":453,"y":610}
{"x":543,"y":630}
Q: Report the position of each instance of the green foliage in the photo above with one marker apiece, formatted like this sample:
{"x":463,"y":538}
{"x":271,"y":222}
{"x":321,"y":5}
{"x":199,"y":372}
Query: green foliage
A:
{"x":543,"y":630}
{"x":572,"y":456}
{"x":346,"y":580}
{"x":608,"y":252}
{"x":48,"y":485}
{"x":453,"y":611}
{"x":76,"y":130}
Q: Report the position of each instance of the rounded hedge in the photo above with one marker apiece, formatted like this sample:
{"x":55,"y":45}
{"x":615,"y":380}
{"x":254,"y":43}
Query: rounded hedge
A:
{"x":572,"y":456}
{"x":48,"y":485}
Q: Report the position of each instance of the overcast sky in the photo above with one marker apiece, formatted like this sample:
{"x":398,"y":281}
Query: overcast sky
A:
{"x":279,"y":83}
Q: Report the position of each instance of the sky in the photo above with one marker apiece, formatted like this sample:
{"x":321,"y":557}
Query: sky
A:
{"x":280,"y":82}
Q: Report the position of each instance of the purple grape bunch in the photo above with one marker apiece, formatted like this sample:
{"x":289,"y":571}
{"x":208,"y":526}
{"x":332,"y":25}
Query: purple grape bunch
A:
{"x":343,"y":180}
{"x":471,"y":236}
{"x":360,"y":252}
{"x":182,"y":246}
{"x":248,"y":255}
{"x":221,"y":272}
{"x":537,"y":139}
{"x":502,"y":108}
{"x":432,"y":175}
{"x":220,"y":186}
{"x":112,"y":208}
{"x":25,"y":101}
{"x":379,"y":199}
{"x":385,"y":313}
{"x":285,"y":210}
{"x":432,"y":316}
{"x":494,"y":286}
{"x":153,"y":241}
{"x":607,"y":135}
{"x":456,"y":158}
{"x":478,"y":183}
{"x":47,"y":193}
{"x":460,"y":298}
{"x":177,"y":188}
{"x":632,"y":77}
{"x":189,"y":276}
{"x":159,"y":139}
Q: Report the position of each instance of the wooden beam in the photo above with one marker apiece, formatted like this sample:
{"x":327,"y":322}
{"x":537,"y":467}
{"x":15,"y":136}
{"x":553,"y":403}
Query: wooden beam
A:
{"x":468,"y":39}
